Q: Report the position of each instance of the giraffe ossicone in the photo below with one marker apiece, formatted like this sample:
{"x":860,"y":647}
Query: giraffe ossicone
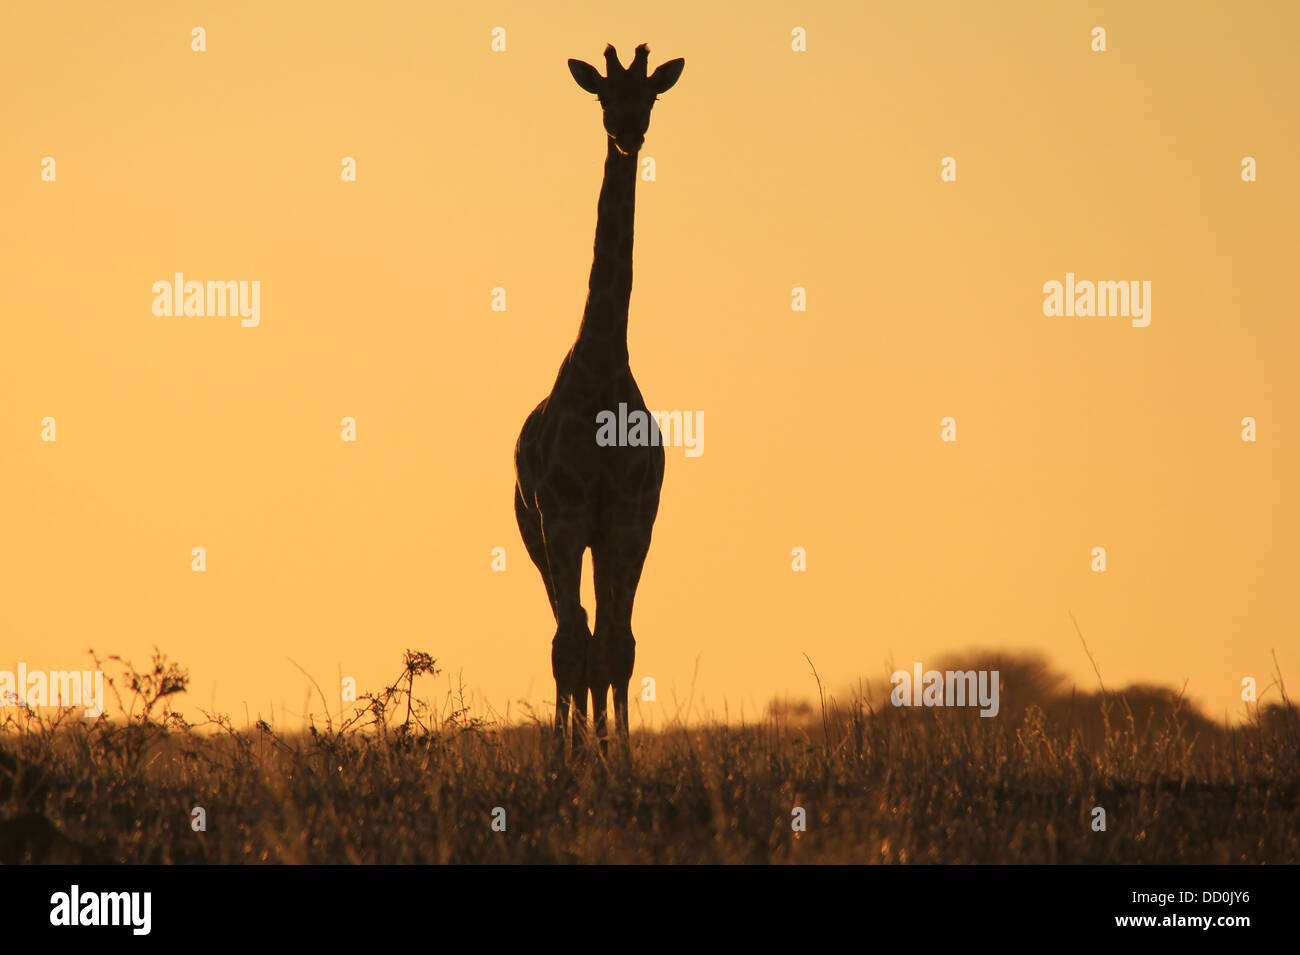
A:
{"x":571,"y":492}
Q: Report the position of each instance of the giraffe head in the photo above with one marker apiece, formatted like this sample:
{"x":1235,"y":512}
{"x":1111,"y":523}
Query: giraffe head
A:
{"x":626,"y":95}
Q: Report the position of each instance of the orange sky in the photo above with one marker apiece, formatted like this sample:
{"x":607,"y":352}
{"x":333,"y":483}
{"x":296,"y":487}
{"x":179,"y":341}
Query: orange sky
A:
{"x":775,"y":169}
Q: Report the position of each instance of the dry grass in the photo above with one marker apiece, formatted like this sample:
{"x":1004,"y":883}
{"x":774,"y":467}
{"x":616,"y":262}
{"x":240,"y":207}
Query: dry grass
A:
{"x":404,"y":781}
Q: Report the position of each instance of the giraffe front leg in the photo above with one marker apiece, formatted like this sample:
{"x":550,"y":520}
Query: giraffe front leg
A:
{"x":617,"y":564}
{"x":622,"y":652}
{"x":598,"y":677}
{"x":563,"y":538}
{"x":569,"y":665}
{"x":581,"y":680}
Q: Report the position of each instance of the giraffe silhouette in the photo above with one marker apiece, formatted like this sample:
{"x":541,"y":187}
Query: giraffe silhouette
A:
{"x":571,"y":493}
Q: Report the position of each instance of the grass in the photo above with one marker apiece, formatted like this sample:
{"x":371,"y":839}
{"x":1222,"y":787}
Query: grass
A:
{"x":404,"y":781}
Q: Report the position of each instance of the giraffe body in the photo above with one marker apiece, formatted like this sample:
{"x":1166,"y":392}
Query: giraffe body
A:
{"x":572,"y":494}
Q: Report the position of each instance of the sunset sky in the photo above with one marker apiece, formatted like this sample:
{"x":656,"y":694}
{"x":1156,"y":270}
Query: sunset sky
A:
{"x":775,"y":169}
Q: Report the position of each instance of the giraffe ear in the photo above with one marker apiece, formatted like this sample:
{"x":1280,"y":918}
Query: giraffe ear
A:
{"x":662,"y":79}
{"x":586,"y":76}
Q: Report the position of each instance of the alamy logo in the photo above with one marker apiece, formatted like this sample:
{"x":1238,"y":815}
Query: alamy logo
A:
{"x":198,"y":299}
{"x":946,"y":688}
{"x":1088,"y":299}
{"x":53,"y":688}
{"x":103,"y":908}
{"x":640,"y":429}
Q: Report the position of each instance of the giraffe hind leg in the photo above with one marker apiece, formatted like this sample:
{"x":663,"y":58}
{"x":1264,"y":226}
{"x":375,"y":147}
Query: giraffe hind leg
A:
{"x":530,"y":529}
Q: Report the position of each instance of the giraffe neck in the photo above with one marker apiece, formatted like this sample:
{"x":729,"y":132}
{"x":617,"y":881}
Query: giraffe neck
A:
{"x":603,"y":332}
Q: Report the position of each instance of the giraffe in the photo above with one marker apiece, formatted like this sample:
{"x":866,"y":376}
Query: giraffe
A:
{"x":570,"y":493}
